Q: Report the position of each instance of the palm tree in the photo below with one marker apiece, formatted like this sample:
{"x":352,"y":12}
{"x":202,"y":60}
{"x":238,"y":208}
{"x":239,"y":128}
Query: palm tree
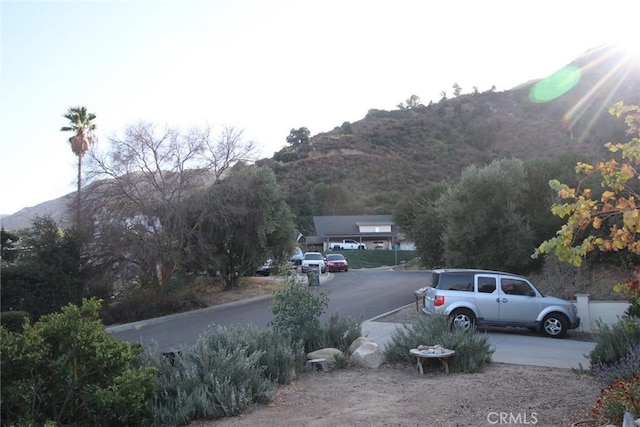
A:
{"x":80,"y":123}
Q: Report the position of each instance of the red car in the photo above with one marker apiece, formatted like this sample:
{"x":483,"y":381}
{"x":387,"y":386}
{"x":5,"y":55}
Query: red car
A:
{"x":337,"y":262}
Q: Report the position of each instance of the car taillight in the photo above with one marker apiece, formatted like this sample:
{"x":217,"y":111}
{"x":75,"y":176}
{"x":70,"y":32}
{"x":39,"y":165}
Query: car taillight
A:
{"x":438,"y":300}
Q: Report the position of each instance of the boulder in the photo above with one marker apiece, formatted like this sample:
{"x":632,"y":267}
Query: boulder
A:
{"x":368,"y":355}
{"x":325,"y":353}
{"x":357,"y":343}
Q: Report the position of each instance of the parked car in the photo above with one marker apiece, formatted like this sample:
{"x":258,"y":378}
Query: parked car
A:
{"x":296,"y":258}
{"x":491,"y":298}
{"x":267,"y":268}
{"x":337,"y":262}
{"x":313,"y":260}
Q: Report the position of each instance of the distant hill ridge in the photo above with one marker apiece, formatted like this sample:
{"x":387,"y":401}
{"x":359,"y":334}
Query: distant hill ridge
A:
{"x":367,"y":165}
{"x":390,"y":153}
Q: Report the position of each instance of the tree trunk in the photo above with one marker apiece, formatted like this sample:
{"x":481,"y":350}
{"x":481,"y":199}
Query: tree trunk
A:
{"x":78,"y":207}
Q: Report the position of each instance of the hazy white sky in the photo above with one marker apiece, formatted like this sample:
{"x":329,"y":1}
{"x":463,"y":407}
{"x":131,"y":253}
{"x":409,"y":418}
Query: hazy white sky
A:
{"x":263,"y":66}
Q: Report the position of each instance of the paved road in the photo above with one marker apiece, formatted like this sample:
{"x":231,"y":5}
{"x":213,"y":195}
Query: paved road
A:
{"x":360,"y":294}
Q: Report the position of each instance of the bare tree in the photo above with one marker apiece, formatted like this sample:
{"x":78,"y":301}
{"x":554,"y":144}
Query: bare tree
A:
{"x":142,"y":184}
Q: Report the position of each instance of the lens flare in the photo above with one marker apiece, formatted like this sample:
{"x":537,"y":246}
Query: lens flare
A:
{"x":555,"y":85}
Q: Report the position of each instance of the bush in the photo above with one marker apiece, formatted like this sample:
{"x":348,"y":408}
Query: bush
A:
{"x":339,"y":332}
{"x":621,"y":396}
{"x":625,"y":368}
{"x":217,"y":377}
{"x":14,"y":320}
{"x":614,"y":341}
{"x":38,"y":290}
{"x":67,"y":369}
{"x":296,"y":311}
{"x":279,"y":357}
{"x":472,"y":349}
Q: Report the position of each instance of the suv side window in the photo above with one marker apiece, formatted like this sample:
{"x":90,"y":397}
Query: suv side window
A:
{"x":516,"y":287}
{"x":486,"y":285}
{"x":456,"y":282}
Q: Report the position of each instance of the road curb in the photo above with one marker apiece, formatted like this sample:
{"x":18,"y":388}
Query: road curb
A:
{"x":169,"y":317}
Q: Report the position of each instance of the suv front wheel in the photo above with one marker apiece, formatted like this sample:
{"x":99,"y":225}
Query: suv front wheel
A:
{"x":554,"y":325}
{"x":462,"y":319}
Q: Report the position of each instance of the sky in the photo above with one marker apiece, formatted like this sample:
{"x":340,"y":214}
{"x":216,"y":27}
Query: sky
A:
{"x":264,"y":67}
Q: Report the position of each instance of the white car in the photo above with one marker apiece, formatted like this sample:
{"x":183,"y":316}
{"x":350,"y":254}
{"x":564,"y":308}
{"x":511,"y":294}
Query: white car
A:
{"x":313,"y":260}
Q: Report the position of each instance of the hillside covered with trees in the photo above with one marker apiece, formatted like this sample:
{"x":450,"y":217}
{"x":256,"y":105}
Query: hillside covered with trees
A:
{"x":368,"y":166}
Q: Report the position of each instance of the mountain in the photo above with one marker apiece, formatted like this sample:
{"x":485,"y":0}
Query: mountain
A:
{"x":366,"y":167}
{"x":56,"y":208}
{"x":370,"y":164}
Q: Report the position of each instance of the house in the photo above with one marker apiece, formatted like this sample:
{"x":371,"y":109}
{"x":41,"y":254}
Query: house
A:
{"x":375,"y":231}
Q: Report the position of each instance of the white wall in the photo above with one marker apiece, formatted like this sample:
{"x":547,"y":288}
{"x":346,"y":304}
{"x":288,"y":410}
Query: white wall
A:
{"x":591,"y":311}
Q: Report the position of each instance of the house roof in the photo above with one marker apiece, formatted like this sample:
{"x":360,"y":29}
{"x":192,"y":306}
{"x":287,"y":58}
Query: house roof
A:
{"x":348,"y":225}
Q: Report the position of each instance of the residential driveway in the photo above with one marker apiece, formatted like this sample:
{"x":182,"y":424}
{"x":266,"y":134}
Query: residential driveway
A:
{"x":511,"y":346}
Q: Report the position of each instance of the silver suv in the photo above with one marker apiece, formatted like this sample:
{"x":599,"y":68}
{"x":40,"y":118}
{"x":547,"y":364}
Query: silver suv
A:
{"x":493,"y":298}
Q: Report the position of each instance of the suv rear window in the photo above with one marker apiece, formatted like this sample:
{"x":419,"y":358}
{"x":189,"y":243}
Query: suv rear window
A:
{"x":453,"y":281}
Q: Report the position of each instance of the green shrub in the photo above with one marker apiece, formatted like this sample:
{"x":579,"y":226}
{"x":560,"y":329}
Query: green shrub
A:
{"x":339,"y":332}
{"x":66,"y":368}
{"x":614,"y":341}
{"x":340,"y":361}
{"x":472,"y":349}
{"x":297,"y":310}
{"x":14,"y":320}
{"x":38,"y":290}
{"x":214,"y":378}
{"x":614,"y":400}
{"x":279,"y":357}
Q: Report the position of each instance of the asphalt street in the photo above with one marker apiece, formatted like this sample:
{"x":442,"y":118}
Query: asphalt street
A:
{"x":368,"y":294}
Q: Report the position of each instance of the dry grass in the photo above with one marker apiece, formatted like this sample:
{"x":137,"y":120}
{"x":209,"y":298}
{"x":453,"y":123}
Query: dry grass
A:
{"x":212,"y":291}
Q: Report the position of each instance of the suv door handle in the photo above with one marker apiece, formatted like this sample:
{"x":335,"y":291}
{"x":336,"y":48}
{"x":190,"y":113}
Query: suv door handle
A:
{"x":503,"y":300}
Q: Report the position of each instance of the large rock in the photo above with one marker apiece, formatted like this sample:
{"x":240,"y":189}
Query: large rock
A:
{"x":357,"y":343}
{"x":368,"y":355}
{"x":325,"y":353}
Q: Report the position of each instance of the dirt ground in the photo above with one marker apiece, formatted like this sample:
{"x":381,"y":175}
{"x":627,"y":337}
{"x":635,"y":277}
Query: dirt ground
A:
{"x":397,"y":395}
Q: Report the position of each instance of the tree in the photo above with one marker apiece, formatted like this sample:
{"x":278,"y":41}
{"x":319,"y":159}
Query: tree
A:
{"x":244,"y":220}
{"x":7,"y":242}
{"x":82,"y":126}
{"x":47,"y":273}
{"x":485,"y":225}
{"x":298,"y":136}
{"x":412,"y":102}
{"x":540,"y":197}
{"x":418,"y":216}
{"x":457,"y":90}
{"x":610,"y":222}
{"x":139,"y":210}
{"x":333,"y":199}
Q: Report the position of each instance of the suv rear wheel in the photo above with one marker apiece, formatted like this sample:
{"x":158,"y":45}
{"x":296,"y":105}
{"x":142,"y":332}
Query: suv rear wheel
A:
{"x":462,"y":319}
{"x":554,"y":325}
